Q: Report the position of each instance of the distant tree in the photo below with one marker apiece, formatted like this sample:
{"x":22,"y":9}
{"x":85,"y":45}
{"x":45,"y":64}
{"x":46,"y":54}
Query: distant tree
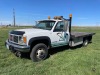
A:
{"x":9,"y":25}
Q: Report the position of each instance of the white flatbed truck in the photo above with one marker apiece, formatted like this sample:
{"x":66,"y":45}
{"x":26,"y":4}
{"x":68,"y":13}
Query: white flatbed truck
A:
{"x":46,"y":34}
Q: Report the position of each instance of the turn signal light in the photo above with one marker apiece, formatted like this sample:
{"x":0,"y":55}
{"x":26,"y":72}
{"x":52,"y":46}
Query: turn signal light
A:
{"x":24,"y":39}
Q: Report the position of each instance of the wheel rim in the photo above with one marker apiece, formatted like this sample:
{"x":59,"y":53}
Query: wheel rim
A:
{"x":40,"y":54}
{"x":86,"y":42}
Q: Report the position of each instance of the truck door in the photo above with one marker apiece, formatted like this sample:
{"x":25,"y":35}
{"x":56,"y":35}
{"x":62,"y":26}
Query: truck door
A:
{"x":59,"y":35}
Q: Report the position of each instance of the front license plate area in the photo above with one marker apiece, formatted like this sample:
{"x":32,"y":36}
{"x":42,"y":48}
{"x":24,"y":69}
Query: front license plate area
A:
{"x":11,"y":48}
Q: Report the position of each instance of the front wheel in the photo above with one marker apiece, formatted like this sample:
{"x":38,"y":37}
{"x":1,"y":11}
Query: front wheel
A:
{"x":39,"y":52}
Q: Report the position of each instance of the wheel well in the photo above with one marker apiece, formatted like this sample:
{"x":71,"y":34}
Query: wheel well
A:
{"x":44,"y":41}
{"x":89,"y":38}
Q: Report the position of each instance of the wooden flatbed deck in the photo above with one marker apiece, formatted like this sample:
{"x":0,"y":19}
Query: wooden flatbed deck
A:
{"x":81,"y":34}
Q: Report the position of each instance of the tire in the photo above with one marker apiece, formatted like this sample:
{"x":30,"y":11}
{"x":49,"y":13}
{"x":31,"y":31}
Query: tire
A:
{"x":85,"y":42}
{"x":39,"y":52}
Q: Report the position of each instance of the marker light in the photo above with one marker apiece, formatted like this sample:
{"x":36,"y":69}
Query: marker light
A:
{"x":49,"y":17}
{"x":58,"y":17}
{"x":55,"y":17}
{"x":70,"y":15}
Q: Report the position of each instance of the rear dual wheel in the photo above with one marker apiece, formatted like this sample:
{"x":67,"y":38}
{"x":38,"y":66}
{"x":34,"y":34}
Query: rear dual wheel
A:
{"x":85,"y":42}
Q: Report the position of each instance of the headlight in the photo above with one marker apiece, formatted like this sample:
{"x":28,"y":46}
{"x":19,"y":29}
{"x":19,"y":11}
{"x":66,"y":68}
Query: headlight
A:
{"x":22,"y":40}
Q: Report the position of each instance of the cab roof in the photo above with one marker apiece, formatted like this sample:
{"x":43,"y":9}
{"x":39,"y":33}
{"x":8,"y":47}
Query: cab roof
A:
{"x":51,"y":20}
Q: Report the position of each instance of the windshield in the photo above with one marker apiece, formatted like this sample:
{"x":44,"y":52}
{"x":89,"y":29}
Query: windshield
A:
{"x":47,"y":25}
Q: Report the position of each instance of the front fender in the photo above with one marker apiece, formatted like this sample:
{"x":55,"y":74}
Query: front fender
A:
{"x":39,"y":38}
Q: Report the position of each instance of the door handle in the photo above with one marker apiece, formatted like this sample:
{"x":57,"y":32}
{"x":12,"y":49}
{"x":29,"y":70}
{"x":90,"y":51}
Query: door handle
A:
{"x":58,"y":33}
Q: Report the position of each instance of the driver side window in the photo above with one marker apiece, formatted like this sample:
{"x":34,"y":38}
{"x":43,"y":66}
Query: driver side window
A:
{"x":59,"y":27}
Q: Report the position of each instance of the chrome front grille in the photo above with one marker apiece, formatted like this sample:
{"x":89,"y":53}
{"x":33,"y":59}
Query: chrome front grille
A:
{"x":15,"y":38}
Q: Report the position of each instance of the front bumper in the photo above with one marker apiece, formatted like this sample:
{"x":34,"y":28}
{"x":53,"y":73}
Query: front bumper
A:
{"x":14,"y":47}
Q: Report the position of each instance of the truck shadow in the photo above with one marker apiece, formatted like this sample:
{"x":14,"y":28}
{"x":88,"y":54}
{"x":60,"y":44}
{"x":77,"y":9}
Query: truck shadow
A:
{"x":53,"y":51}
{"x":62,"y":48}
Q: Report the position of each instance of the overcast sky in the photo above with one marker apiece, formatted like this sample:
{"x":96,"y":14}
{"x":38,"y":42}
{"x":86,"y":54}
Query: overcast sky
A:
{"x":85,"y":12}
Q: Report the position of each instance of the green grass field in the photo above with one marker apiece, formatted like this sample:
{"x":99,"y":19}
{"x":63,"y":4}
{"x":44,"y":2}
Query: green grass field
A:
{"x":62,"y":61}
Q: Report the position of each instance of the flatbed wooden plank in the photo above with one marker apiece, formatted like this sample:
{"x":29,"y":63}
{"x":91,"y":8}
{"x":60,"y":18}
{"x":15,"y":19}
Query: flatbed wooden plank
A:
{"x":80,"y":34}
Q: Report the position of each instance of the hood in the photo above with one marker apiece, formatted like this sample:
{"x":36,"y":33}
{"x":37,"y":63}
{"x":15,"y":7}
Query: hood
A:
{"x":31,"y":30}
